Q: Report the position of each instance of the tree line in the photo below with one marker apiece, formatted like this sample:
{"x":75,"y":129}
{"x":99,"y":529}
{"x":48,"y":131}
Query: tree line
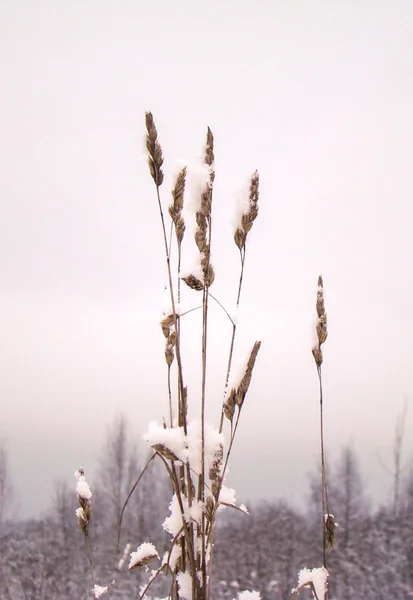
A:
{"x":45,"y":559}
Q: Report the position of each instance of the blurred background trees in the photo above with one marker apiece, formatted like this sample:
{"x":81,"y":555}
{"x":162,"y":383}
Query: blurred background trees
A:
{"x":46,"y":559}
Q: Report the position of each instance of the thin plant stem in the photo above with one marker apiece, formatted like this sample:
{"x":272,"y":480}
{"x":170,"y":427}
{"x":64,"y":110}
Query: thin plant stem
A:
{"x":178,"y":322}
{"x":231,"y":442}
{"x":201,"y":490}
{"x":234,"y":331}
{"x":177,"y":347}
{"x":130,"y":494}
{"x":190,"y":310}
{"x":175,"y":484}
{"x":89,"y":556}
{"x":324,"y":499}
{"x":223,"y":308}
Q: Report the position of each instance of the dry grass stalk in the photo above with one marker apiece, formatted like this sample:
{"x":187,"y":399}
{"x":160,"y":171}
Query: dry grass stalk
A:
{"x":240,"y":238}
{"x":83,"y":512}
{"x":155,"y":158}
{"x":328,"y":524}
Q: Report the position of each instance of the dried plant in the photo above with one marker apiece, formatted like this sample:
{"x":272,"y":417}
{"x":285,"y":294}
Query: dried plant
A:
{"x":328,"y":523}
{"x":197,"y":481}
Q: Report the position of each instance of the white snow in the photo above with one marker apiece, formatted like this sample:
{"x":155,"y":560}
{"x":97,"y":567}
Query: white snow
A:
{"x":213,"y":441}
{"x":239,"y":366}
{"x":80,"y":513}
{"x":174,"y":556}
{"x":242,"y":204}
{"x":318,"y":577}
{"x":82,"y":487}
{"x":227,"y":495}
{"x":172,"y":438}
{"x":191,"y":264}
{"x":196,"y":510}
{"x":166,"y":307}
{"x":173,"y":523}
{"x":99,"y":590}
{"x":197,"y":179}
{"x":249,"y":595}
{"x":185,"y":585}
{"x":144,"y":551}
{"x":313,"y":332}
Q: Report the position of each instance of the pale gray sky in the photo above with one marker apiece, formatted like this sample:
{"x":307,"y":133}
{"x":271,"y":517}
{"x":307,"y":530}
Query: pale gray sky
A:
{"x":315,"y":94}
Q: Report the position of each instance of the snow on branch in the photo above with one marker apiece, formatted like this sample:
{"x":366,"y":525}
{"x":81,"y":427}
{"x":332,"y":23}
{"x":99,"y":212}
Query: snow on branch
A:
{"x":170,"y":442}
{"x":143,"y":555}
{"x":316,"y":579}
{"x":99,"y":590}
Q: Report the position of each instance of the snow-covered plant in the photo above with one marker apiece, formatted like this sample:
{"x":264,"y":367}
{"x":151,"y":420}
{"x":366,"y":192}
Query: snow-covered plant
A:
{"x":317,"y":578}
{"x":328,"y":523}
{"x":84,"y":498}
{"x":193,"y":452}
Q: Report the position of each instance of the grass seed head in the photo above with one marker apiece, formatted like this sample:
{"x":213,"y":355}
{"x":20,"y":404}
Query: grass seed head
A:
{"x":239,"y":237}
{"x":246,"y":380}
{"x":164,"y":451}
{"x":169,"y":354}
{"x":178,"y":192}
{"x":330,"y":527}
{"x":229,"y":404}
{"x":321,"y":329}
{"x":248,"y":217}
{"x":209,"y":148}
{"x":194,"y":283}
{"x":321,"y":326}
{"x":153,"y":147}
{"x":318,"y":356}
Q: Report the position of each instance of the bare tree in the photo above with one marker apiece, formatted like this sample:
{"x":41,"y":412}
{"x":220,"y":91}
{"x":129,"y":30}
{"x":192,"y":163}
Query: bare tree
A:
{"x":397,"y":469}
{"x":6,"y":487}
{"x":118,"y":470}
{"x":397,"y":455}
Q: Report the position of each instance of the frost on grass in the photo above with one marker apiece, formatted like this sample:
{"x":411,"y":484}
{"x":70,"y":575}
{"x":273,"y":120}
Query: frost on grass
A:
{"x":318,"y":577}
{"x":145,"y":553}
{"x":249,"y":595}
{"x":99,"y":590}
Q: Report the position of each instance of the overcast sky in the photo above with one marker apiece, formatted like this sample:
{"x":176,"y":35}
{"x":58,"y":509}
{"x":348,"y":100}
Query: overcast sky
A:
{"x":316,"y":95}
